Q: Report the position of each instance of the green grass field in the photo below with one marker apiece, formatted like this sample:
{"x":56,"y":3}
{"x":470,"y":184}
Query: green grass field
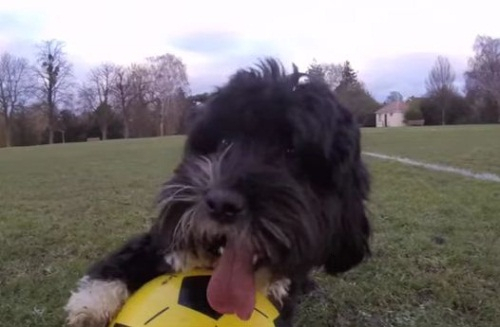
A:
{"x":474,"y":147}
{"x":436,"y":240}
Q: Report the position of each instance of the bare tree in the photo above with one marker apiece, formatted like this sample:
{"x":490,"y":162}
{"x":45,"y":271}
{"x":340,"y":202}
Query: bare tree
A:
{"x":55,"y":79}
{"x":440,"y":84}
{"x":140,"y":82}
{"x":131,"y":94}
{"x":87,"y":97}
{"x":101,"y":79}
{"x":15,"y":88}
{"x":95,"y":95}
{"x":441,"y":77}
{"x":333,"y":74}
{"x":484,"y":68}
{"x":122,"y":91}
{"x":167,"y":76}
{"x":141,"y":102}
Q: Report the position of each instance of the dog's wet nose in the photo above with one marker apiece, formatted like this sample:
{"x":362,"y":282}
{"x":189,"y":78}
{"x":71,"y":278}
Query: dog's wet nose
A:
{"x":224,"y":205}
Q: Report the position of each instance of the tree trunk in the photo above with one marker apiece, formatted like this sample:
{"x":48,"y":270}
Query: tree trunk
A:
{"x":445,"y":108}
{"x":51,"y":135}
{"x":125,"y":115}
{"x":7,"y":132}
{"x":162,"y":119}
{"x":104,"y":132}
{"x":50,"y":113}
{"x":126,"y":128}
{"x":498,"y":107}
{"x":51,"y":123}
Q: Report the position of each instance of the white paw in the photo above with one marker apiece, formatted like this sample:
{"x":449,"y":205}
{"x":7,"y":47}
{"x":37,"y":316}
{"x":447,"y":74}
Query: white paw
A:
{"x":95,"y":302}
{"x":279,"y":289}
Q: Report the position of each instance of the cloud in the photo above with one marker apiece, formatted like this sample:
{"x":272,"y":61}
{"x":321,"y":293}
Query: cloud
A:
{"x":15,"y":25}
{"x":209,"y":43}
{"x":217,"y":61}
{"x":405,"y":74}
{"x":217,"y":72}
{"x":18,"y":33}
{"x":391,"y":44}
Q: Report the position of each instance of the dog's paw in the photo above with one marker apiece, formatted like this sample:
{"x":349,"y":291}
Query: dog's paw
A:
{"x":279,"y":289}
{"x":95,"y":302}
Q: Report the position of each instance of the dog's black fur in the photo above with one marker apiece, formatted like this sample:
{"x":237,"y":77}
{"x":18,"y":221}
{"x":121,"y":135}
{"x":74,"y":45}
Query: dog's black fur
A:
{"x":284,"y":158}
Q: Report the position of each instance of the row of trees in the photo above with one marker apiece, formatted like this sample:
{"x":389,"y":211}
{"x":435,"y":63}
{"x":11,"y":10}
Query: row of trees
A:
{"x":41,"y":102}
{"x":40,"y":99}
{"x":344,"y":82}
{"x":443,"y":102}
{"x":478,"y":102}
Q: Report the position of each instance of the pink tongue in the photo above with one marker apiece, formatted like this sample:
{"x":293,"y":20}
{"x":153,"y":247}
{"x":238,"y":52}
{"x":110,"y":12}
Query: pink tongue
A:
{"x":232,"y":288}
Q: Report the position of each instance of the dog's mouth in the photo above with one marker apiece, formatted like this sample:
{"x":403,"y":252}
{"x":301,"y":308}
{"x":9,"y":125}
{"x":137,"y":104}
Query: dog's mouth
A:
{"x":218,"y":245}
{"x":231,"y":289}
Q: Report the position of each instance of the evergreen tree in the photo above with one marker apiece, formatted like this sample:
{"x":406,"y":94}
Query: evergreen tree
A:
{"x":354,"y":96}
{"x":349,"y":77}
{"x":315,"y":71}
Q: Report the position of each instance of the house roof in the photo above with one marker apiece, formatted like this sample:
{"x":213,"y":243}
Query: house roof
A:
{"x":393,"y":107}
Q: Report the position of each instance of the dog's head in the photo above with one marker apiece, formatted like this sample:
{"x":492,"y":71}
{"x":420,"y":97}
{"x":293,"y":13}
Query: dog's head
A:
{"x":271,"y":184}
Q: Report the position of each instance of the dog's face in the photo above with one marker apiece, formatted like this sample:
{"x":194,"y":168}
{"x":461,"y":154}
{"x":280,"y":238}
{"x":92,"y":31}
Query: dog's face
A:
{"x":271,"y":184}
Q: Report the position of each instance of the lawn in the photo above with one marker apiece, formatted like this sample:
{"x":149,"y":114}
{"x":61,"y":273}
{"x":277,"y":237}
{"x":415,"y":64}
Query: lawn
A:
{"x":436,"y":242}
{"x":475,"y":147}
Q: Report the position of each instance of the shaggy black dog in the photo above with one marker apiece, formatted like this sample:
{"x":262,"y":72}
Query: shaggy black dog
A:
{"x":271,"y":186}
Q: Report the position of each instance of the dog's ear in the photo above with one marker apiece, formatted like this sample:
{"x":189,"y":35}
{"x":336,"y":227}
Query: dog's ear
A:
{"x":335,"y":167}
{"x":349,"y":243}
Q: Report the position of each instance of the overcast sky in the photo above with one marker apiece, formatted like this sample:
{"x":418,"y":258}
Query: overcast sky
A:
{"x":392,"y":44}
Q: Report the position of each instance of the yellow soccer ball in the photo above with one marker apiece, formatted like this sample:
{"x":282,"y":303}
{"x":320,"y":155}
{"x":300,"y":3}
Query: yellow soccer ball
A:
{"x":180,"y":300}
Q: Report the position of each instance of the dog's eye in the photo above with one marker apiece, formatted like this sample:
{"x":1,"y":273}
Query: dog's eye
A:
{"x":290,"y":151}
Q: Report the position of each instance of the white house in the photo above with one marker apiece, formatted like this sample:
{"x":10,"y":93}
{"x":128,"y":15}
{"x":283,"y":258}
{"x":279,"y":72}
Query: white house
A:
{"x":391,"y":115}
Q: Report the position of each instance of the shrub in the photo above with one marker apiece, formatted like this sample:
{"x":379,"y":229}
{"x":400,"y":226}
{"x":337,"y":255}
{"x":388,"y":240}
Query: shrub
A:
{"x":414,"y":112}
